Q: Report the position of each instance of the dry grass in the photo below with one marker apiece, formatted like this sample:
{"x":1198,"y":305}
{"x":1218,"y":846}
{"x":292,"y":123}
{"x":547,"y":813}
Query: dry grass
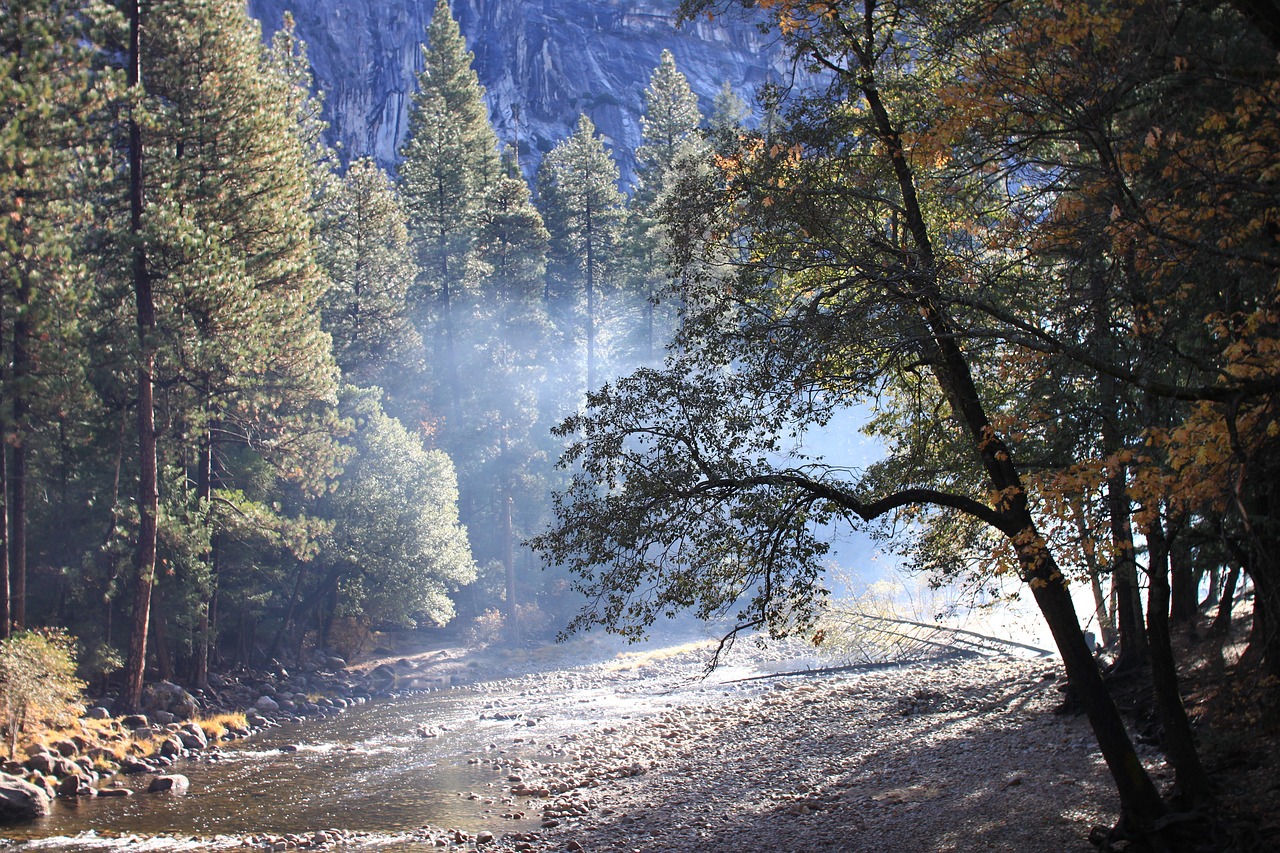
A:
{"x":626,"y":661}
{"x":216,"y":726}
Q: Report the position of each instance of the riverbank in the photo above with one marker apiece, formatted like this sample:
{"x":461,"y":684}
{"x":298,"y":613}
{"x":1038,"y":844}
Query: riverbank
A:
{"x":956,"y":755}
{"x":598,"y":749}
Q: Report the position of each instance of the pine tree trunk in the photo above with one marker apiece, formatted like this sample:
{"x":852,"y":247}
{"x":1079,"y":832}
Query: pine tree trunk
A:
{"x":591,"y":302}
{"x":1183,"y":600}
{"x":148,"y":492}
{"x":18,"y":470}
{"x":6,"y":620}
{"x":204,"y":494}
{"x":1124,"y":579}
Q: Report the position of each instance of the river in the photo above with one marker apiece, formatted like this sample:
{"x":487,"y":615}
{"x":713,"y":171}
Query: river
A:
{"x":369,"y":770}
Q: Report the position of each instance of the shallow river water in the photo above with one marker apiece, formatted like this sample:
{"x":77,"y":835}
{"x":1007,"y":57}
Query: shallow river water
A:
{"x":366,"y":770}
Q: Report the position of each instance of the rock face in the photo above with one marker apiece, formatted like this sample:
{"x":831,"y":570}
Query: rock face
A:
{"x":542,"y":62}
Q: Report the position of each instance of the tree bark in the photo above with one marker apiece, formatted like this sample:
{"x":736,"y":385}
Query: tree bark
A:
{"x":6,"y":620}
{"x":148,"y":499}
{"x":1183,"y":580}
{"x":18,"y":471}
{"x":1179,"y":742}
{"x":1221,"y":626}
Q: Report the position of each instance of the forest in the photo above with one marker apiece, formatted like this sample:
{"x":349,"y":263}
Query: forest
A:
{"x":258,"y":399}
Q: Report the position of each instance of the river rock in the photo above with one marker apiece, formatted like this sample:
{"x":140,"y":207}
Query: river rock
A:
{"x":266,"y":703}
{"x":21,"y":801}
{"x":170,"y":747}
{"x":169,"y":697}
{"x":174,"y":783}
{"x":66,"y":748}
{"x":115,"y":792}
{"x":134,"y":721}
{"x":193,"y":737}
{"x":75,"y":786}
{"x":132,"y":766}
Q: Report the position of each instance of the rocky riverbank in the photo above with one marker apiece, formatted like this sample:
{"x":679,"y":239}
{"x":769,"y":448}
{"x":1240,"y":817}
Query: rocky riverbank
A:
{"x":958,"y":755}
{"x":638,"y":752}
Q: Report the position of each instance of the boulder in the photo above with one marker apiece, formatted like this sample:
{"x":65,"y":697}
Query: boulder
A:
{"x":171,"y":698}
{"x":266,"y":703}
{"x":134,"y":721}
{"x":114,"y":792}
{"x":162,"y":718}
{"x":193,"y":737}
{"x":66,"y":748}
{"x":97,"y":713}
{"x":171,"y":746}
{"x":21,"y":801}
{"x":131,"y":766}
{"x":75,"y":786}
{"x":173,"y":783}
{"x":41,"y":762}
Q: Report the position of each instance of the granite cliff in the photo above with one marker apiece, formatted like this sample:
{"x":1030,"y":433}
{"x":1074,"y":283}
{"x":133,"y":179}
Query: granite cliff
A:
{"x":542,"y":63}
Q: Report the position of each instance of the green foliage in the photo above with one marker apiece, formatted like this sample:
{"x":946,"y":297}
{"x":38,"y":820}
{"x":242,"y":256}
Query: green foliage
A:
{"x":584,"y":211}
{"x":397,"y":549}
{"x":37,"y":682}
{"x":365,"y":250}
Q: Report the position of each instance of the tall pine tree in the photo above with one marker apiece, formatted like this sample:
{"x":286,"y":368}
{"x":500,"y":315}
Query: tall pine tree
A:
{"x":230,"y":320}
{"x":52,"y":97}
{"x":585,"y":212}
{"x":450,"y":160}
{"x":670,"y":128}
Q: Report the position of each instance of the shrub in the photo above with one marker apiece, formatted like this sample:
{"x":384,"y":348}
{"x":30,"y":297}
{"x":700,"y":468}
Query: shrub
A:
{"x":38,"y":683}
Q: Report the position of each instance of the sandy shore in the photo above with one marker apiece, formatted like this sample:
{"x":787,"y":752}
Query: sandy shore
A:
{"x":957,"y":755}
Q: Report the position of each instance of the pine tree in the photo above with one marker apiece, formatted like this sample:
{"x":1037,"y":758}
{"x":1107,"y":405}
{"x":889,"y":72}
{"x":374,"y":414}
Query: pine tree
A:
{"x":584,"y":211}
{"x":671,"y":118}
{"x":511,"y":338}
{"x":367,"y":255}
{"x":450,"y":160}
{"x":670,"y":128}
{"x":230,"y":322}
{"x":52,"y":96}
{"x":728,"y":113}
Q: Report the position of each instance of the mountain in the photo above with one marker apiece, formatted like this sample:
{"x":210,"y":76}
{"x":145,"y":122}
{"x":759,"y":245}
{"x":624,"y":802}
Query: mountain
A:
{"x":542,"y":62}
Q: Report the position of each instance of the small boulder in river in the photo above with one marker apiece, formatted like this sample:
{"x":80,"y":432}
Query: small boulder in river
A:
{"x":21,"y":801}
{"x":174,"y":783}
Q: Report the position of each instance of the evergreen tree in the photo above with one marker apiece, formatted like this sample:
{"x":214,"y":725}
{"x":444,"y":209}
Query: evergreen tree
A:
{"x":450,"y":160}
{"x":52,"y":96}
{"x":670,"y":119}
{"x":233,"y":290}
{"x":584,"y":211}
{"x":728,"y":113}
{"x":366,"y":252}
{"x":670,"y":128}
{"x":511,"y":338}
